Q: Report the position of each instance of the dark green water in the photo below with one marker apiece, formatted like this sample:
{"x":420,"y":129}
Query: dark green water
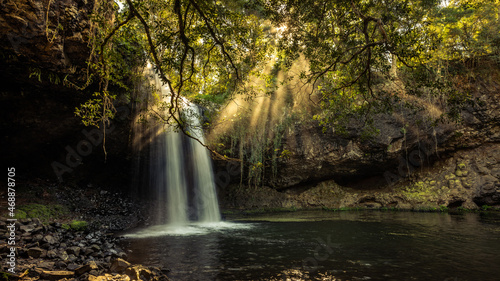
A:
{"x":347,"y":245}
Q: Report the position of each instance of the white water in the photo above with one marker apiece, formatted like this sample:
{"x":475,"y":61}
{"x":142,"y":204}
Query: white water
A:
{"x":181,"y":169}
{"x":195,"y":228}
{"x":206,"y":197}
{"x":177,"y":201}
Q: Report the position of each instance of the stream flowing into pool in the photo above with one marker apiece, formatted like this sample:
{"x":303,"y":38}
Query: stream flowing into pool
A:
{"x":364,"y":245}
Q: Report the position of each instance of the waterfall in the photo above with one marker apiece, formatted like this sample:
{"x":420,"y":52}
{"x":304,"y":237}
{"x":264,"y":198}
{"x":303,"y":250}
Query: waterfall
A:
{"x":181,"y":181}
{"x":176,"y":195}
{"x":206,"y":197}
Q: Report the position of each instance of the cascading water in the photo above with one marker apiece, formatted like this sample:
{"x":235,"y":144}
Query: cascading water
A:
{"x":206,"y":197}
{"x":180,"y":169}
{"x":176,"y":195}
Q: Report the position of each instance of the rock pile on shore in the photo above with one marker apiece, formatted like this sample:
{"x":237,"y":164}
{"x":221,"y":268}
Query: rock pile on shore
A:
{"x":57,"y":252}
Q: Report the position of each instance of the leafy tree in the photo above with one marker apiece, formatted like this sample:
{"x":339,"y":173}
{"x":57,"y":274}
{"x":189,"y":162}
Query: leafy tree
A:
{"x":202,"y":50}
{"x":199,"y":48}
{"x":356,"y":51}
{"x":351,"y":47}
{"x":466,"y":30}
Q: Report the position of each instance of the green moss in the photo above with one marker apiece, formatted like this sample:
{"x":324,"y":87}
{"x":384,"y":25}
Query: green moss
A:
{"x":79,"y":225}
{"x":20,"y":214}
{"x":76,"y":225}
{"x":449,"y":177}
{"x":462,"y":166}
{"x":420,"y":192}
{"x":443,"y":208}
{"x":463,"y":210}
{"x":43,"y":212}
{"x":426,"y":209}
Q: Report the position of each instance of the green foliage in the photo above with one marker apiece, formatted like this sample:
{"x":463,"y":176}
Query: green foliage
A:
{"x":6,"y":275}
{"x":365,"y":56}
{"x":98,"y":110}
{"x":52,"y":77}
{"x":259,"y":147}
{"x":486,"y":207}
{"x":117,"y":55}
{"x":36,"y":72}
{"x":466,"y":30}
{"x":362,"y":58}
{"x":351,"y":47}
{"x":206,"y":48}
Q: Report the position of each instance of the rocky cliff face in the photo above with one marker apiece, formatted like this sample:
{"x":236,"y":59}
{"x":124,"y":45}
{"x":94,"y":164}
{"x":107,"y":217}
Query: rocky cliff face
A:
{"x":49,"y":36}
{"x":468,"y":178}
{"x":347,"y":159}
{"x":43,"y":45}
{"x":409,"y":166}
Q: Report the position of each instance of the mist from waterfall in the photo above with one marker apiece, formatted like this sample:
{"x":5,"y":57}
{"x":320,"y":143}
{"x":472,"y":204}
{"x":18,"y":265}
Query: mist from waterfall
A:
{"x":179,"y":170}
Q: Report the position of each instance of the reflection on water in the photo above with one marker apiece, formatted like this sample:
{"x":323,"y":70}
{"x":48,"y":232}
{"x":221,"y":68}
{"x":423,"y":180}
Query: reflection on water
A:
{"x":348,"y":245}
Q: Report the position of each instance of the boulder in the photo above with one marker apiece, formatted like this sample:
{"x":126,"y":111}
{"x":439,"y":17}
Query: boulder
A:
{"x":138,"y":272}
{"x":73,"y":266}
{"x":35,"y":252}
{"x":95,"y":248}
{"x":86,"y":268}
{"x":51,"y":254}
{"x":119,"y":265}
{"x":64,"y":256}
{"x":75,"y":250}
{"x":36,"y":230}
{"x":37,"y":237}
{"x":47,"y":265}
{"x":27,"y":228}
{"x":49,"y":239}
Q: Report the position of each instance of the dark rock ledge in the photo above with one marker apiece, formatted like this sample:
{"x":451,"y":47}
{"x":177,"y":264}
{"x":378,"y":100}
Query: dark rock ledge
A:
{"x":52,"y":252}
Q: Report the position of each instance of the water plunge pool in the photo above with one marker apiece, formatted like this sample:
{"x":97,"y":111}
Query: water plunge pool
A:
{"x":346,"y":245}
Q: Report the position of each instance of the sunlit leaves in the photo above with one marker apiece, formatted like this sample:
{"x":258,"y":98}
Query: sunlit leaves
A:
{"x":350,"y":47}
{"x":205,"y":47}
{"x":466,"y":29}
{"x":98,"y":110}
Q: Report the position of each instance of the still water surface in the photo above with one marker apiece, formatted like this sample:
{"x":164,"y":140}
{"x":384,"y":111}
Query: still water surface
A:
{"x":347,"y":245}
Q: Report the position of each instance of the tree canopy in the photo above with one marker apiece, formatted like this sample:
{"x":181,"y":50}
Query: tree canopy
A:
{"x":355,"y":50}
